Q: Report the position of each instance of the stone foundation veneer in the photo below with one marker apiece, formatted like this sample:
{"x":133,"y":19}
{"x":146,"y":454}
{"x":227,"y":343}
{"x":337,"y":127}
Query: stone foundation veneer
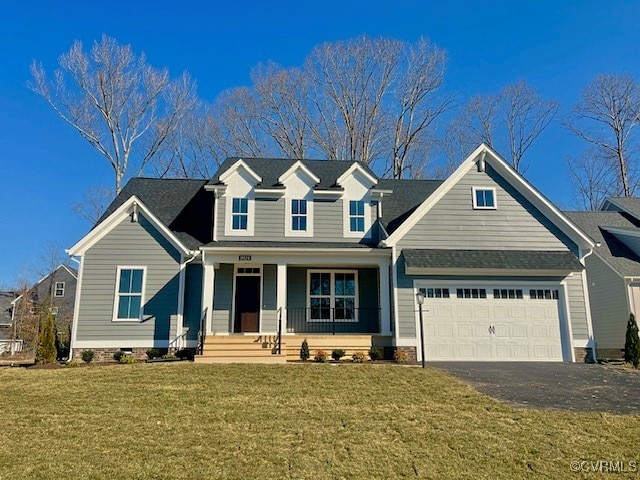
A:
{"x":584,"y":355}
{"x":106,"y":354}
{"x":610,"y":353}
{"x":411,"y":352}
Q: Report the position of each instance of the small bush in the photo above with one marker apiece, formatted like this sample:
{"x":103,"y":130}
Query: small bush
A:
{"x":632,"y":343}
{"x":186,"y":354}
{"x":127,"y":359}
{"x":46,"y":349}
{"x":337,"y":354}
{"x":118,"y":355}
{"x":375,"y":354}
{"x":87,"y":356}
{"x":320,"y":357}
{"x":358,"y":357}
{"x":304,"y":351}
{"x":399,"y":356}
{"x":153,"y":353}
{"x":73,"y":363}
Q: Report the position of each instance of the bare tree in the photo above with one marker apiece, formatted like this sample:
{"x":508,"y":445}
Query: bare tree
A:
{"x":593,"y":180}
{"x":122,"y":106}
{"x":510,"y":121}
{"x":93,"y":204}
{"x":606,"y":117}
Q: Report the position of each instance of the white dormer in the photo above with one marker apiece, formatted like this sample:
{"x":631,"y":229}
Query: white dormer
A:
{"x":299,"y":183}
{"x":356,"y":201}
{"x":240,"y":181}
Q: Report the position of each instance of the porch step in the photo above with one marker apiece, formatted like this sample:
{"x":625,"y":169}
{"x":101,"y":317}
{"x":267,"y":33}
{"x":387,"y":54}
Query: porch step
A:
{"x":240,"y":349}
{"x":349,"y":343}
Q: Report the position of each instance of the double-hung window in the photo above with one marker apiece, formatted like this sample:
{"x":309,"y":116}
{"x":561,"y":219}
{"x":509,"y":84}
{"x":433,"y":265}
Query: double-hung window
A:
{"x":356,"y":215}
{"x":59,"y":289}
{"x":299,"y":215}
{"x":332,"y":295}
{"x":239,"y":214}
{"x":129,"y":292}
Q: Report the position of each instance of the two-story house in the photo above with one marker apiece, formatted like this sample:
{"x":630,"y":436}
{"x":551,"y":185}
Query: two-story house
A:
{"x":270,"y":252}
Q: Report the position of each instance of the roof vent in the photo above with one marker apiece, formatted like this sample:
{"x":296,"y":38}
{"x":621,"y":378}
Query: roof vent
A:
{"x":481,"y":164}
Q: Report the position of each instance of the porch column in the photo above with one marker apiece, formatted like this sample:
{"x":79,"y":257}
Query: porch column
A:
{"x":385,"y":304}
{"x":281,"y":293}
{"x":208,"y":282}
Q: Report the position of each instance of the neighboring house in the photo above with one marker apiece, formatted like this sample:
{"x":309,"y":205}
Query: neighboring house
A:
{"x":6,"y":309}
{"x":54,"y":292}
{"x":283,"y":250}
{"x":613,"y":270}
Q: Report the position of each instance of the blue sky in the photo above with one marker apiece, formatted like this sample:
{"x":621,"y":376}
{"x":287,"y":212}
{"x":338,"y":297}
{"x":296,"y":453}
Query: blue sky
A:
{"x":555,"y":46}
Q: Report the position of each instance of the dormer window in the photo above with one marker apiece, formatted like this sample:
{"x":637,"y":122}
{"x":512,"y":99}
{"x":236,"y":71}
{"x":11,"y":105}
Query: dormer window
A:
{"x":484,"y":198}
{"x":299,"y":215}
{"x":239,"y":213}
{"x":356,"y":215}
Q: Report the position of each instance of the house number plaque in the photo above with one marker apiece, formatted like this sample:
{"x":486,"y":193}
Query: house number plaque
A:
{"x":244,"y":258}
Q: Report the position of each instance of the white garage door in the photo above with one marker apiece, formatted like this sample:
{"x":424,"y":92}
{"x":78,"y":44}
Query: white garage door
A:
{"x":490,"y":323}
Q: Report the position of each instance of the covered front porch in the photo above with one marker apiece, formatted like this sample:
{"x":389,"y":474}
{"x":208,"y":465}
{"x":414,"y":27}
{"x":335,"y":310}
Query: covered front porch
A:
{"x":286,"y":293}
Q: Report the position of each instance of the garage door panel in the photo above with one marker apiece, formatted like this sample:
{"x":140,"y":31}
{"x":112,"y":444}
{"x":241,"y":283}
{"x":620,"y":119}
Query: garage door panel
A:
{"x":522,"y":328}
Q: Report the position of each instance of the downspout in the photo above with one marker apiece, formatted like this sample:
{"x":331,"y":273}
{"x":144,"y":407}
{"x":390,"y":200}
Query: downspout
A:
{"x":587,"y":300}
{"x":183,"y":273}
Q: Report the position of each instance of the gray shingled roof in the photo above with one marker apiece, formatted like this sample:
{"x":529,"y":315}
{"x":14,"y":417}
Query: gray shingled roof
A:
{"x":406,"y":197}
{"x":492,"y":259}
{"x":248,"y":244}
{"x":270,"y":169}
{"x":629,"y":204}
{"x":616,"y":253}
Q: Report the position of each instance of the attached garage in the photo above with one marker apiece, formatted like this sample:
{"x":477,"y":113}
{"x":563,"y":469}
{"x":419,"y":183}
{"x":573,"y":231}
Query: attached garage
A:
{"x":492,"y":322}
{"x":515,"y":310}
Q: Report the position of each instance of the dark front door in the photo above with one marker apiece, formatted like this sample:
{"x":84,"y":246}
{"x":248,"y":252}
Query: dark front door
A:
{"x":247,"y":304}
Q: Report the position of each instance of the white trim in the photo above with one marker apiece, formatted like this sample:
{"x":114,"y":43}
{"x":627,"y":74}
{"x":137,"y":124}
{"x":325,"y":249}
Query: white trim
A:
{"x":395,"y":256}
{"x":483,"y":189}
{"x":71,"y":272}
{"x":587,"y":298}
{"x":384,"y":295}
{"x":55,"y":289}
{"x":348,"y":251}
{"x":122,"y":344}
{"x":233,"y":293}
{"x":488,"y":271}
{"x":567,"y":312}
{"x":208,"y":292}
{"x":216,"y":200}
{"x":352,"y":169}
{"x":229,"y":231}
{"x":115,"y":219}
{"x":332,"y":295}
{"x":76,"y":309}
{"x":237,"y":165}
{"x":298,"y":166}
{"x":116,"y":297}
{"x":181,"y":285}
{"x":517,"y":181}
{"x":281,"y":293}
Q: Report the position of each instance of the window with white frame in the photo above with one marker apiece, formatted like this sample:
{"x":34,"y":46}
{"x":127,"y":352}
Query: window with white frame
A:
{"x":239,"y":214}
{"x":129,"y":293}
{"x":356,"y":215}
{"x":298,"y":215}
{"x":332,"y":295}
{"x":58,"y":291}
{"x":484,"y":198}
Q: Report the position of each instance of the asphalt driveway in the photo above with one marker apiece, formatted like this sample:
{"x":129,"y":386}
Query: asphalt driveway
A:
{"x":564,"y":386}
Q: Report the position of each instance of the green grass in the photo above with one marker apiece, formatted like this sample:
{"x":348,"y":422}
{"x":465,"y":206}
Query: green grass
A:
{"x":189,"y":421}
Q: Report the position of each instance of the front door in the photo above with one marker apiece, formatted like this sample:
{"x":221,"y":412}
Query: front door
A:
{"x":247,"y":304}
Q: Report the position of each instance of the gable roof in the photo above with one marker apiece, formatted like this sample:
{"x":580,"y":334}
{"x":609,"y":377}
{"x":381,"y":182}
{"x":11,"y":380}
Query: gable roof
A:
{"x":630,"y":205}
{"x":483,"y":154}
{"x":406,"y":197}
{"x":270,"y":169}
{"x":611,"y":249}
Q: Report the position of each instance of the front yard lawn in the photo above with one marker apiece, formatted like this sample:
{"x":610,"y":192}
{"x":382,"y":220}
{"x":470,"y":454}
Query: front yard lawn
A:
{"x":189,"y":421}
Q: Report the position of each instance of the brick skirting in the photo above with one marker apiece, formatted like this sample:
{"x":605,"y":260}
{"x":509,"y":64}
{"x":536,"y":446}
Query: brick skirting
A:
{"x":583,"y":355}
{"x":106,"y":354}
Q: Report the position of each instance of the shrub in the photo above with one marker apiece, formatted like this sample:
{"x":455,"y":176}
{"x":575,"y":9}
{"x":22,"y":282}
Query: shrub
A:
{"x":358,"y":357}
{"x":304,"y":351}
{"x":375,"y":354}
{"x":186,"y":354}
{"x":337,"y":354}
{"x":73,"y":363}
{"x":46,"y":350}
{"x":399,"y":356}
{"x":153,"y":353}
{"x":127,"y":359}
{"x":320,"y":357}
{"x":118,"y":355}
{"x":632,"y":343}
{"x":87,"y":356}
